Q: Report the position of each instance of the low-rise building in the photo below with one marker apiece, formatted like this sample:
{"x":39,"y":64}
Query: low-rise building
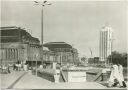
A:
{"x":17,"y":45}
{"x":60,"y":52}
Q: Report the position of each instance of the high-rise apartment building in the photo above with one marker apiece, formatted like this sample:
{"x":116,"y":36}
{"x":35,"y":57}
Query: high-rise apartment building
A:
{"x":105,"y":46}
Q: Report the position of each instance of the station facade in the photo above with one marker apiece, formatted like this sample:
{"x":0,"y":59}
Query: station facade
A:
{"x":61,"y":53}
{"x":17,"y":45}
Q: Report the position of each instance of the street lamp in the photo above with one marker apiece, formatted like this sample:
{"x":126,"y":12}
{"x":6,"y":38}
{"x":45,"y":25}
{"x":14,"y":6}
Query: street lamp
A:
{"x":43,"y":3}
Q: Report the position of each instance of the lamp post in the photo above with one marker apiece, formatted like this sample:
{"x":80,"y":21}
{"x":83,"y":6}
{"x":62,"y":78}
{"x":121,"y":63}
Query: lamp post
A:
{"x":43,"y":3}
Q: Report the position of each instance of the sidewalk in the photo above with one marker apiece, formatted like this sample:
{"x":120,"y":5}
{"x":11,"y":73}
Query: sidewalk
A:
{"x":30,"y":81}
{"x":7,"y":80}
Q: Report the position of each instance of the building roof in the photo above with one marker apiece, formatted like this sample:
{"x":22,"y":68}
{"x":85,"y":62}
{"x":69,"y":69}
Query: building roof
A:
{"x":16,"y":34}
{"x":9,"y":28}
{"x":57,"y":45}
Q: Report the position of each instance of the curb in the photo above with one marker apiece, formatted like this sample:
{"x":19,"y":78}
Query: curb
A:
{"x":11,"y":86}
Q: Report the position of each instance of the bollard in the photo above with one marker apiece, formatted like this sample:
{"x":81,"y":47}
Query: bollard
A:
{"x":57,"y":76}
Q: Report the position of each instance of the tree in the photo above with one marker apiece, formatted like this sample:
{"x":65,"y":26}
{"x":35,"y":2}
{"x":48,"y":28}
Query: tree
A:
{"x":83,"y":59}
{"x":117,"y":57}
{"x":124,"y":59}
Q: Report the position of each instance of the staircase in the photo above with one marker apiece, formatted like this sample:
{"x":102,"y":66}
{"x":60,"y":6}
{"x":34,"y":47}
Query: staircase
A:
{"x":63,"y":77}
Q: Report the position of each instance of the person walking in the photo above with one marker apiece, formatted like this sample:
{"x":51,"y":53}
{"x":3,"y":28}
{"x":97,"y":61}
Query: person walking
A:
{"x":115,"y":76}
{"x":25,"y":67}
{"x":120,"y":67}
{"x":14,"y":66}
{"x":8,"y":69}
{"x":19,"y":66}
{"x":41,"y":66}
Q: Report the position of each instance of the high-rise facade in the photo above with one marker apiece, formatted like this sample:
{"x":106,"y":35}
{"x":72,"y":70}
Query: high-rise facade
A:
{"x":105,"y":46}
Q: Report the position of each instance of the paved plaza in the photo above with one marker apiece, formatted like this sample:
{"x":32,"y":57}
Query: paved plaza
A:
{"x":7,"y":80}
{"x":31,"y":81}
{"x":25,"y":80}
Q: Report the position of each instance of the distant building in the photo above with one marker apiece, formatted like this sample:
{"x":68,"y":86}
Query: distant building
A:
{"x":60,"y":52}
{"x":17,"y":45}
{"x":105,"y":44}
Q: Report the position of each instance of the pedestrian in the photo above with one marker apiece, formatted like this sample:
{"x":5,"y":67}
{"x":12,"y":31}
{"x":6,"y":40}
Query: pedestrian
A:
{"x":13,"y":66}
{"x":19,"y":66}
{"x":120,"y":67}
{"x":0,"y":66}
{"x":25,"y":67}
{"x":8,"y":68}
{"x":4,"y":68}
{"x":115,"y":76}
{"x":44,"y":66}
{"x":41,"y":66}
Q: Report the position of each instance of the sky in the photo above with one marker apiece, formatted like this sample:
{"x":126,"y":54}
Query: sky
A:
{"x":75,"y":22}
